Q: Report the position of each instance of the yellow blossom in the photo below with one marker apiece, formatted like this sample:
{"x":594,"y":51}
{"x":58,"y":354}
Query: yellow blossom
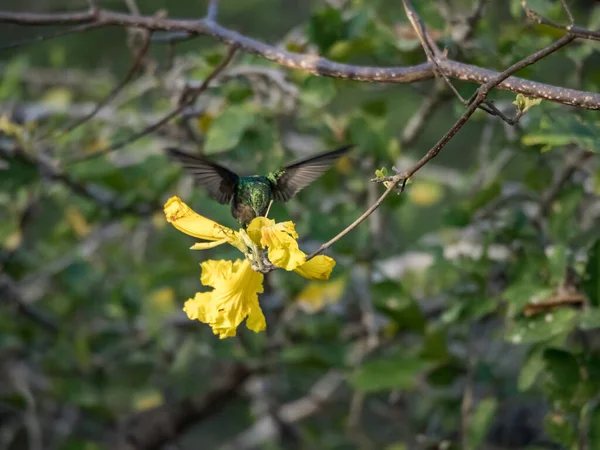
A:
{"x":317,"y":268}
{"x":182,"y":217}
{"x":233,"y":298}
{"x":280,"y":239}
{"x":236,"y":285}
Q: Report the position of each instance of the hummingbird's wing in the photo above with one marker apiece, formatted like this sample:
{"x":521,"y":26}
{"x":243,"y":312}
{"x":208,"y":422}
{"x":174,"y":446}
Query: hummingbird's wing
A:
{"x":219,"y":181}
{"x":295,"y":177}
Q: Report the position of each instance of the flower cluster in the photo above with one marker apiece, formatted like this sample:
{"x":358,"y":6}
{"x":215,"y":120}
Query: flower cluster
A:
{"x":236,"y":284}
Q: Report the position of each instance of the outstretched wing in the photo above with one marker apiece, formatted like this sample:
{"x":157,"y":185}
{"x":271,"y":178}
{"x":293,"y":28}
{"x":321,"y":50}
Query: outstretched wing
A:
{"x":295,"y":177}
{"x":219,"y":181}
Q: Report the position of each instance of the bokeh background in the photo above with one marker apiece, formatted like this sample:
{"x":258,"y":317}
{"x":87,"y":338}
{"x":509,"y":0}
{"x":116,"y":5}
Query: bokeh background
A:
{"x":425,"y":337}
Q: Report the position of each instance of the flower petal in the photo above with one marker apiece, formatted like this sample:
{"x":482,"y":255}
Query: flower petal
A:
{"x":282,"y":246}
{"x":182,"y":217}
{"x":317,"y":268}
{"x":234,"y":297}
{"x":207,"y":245}
{"x":255,"y":227}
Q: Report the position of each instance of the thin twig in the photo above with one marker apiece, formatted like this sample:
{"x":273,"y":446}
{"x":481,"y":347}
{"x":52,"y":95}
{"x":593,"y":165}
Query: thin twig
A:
{"x":155,"y":427}
{"x":47,"y":37}
{"x":213,"y":10}
{"x":315,"y":64}
{"x":133,"y":7}
{"x":476,"y":100}
{"x":561,"y":180}
{"x":429,"y":47}
{"x":98,"y":196}
{"x":575,"y":30}
{"x":418,"y":120}
{"x":191,"y":97}
{"x":93,"y":5}
{"x":130,"y":73}
{"x":568,"y":11}
{"x":434,"y":54}
{"x":10,"y":293}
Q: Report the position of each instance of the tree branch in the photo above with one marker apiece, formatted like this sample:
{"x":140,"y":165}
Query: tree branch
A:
{"x":130,"y":73}
{"x":475,"y":101}
{"x":47,"y":37}
{"x":190,"y":97}
{"x":575,"y":30}
{"x":313,"y":63}
{"x":98,"y":196}
{"x":10,"y":293}
{"x":152,"y":429}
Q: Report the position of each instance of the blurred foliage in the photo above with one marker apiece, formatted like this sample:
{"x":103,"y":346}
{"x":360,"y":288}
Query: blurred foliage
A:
{"x":464,"y":314}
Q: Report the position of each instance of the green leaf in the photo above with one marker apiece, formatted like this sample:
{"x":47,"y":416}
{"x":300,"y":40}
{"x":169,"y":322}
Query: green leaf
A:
{"x":480,"y":421}
{"x":226,"y":130}
{"x":12,"y":78}
{"x":319,"y":356}
{"x":569,"y":130}
{"x":435,"y":346}
{"x":318,"y":91}
{"x":560,"y":429}
{"x":521,"y":293}
{"x":562,"y":367}
{"x":542,"y":327}
{"x":381,"y":173}
{"x":594,"y":426}
{"x":325,"y":27}
{"x":590,"y":319}
{"x":530,"y":371}
{"x":388,"y":373}
{"x":523,"y":103}
{"x":390,"y":299}
{"x":18,"y":173}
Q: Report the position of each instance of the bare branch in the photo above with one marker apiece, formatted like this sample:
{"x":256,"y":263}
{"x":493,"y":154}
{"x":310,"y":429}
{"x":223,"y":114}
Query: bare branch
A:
{"x":313,"y":63}
{"x":213,"y":10}
{"x":130,"y":73}
{"x":561,"y":180}
{"x":47,"y":37}
{"x":10,"y":293}
{"x":434,"y":54}
{"x":429,"y":46}
{"x":155,"y":427}
{"x":93,"y":5}
{"x":98,"y":196}
{"x":191,"y":97}
{"x":133,"y":7}
{"x":417,"y":122}
{"x":476,"y":100}
{"x":575,"y":30}
{"x":568,"y":11}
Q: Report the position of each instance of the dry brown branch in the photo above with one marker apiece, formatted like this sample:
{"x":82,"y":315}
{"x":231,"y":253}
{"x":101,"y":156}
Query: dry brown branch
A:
{"x":313,"y":63}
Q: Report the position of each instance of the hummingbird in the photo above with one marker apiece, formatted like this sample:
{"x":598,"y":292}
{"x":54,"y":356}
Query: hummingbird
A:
{"x":251,"y":196}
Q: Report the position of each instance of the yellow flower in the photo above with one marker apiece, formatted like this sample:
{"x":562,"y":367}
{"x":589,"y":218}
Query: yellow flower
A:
{"x":280,"y":239}
{"x":236,"y":284}
{"x":182,"y":217}
{"x":234,"y":297}
{"x":318,"y":268}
